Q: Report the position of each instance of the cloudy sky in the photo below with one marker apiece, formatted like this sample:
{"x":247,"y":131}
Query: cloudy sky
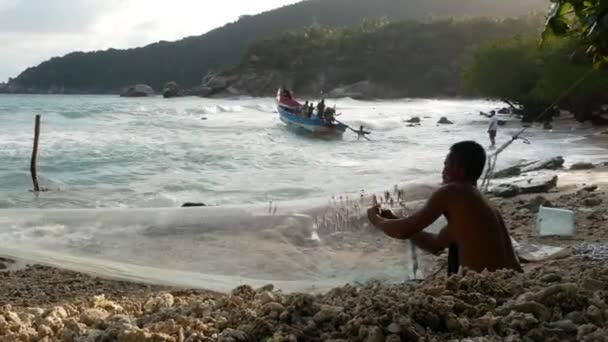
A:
{"x":32,"y":31}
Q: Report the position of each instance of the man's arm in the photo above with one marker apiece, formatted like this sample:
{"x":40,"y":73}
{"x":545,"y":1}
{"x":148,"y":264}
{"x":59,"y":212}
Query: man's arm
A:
{"x":433,"y":243}
{"x":406,"y":228}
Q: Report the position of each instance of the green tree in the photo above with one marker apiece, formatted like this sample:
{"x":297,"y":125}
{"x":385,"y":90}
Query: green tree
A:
{"x":517,"y":70}
{"x":587,"y":19}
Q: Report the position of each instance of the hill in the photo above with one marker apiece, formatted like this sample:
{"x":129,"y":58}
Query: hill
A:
{"x":379,"y":59}
{"x":187,"y":60}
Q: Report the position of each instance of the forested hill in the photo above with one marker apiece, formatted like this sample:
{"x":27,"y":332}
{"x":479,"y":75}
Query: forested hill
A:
{"x":187,"y":60}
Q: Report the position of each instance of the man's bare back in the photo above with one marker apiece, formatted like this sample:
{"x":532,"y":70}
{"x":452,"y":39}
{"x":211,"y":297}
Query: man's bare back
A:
{"x":478,"y":230}
{"x":474,"y":226}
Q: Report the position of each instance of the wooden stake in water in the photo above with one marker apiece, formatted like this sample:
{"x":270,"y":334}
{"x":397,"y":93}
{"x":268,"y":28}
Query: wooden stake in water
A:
{"x":33,"y":165}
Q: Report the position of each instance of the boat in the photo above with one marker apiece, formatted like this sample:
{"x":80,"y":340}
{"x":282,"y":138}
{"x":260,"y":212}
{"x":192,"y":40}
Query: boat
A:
{"x":313,"y":124}
{"x":289,"y":113}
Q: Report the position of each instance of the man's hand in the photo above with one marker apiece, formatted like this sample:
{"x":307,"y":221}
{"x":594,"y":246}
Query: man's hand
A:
{"x":388,"y":214}
{"x":373,"y":215}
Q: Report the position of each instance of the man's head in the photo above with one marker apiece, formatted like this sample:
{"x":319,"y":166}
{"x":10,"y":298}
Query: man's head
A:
{"x":492,"y":113}
{"x":464,"y":163}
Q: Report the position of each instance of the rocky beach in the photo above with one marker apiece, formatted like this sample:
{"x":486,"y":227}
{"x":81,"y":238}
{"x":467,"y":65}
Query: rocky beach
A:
{"x":556,"y":299}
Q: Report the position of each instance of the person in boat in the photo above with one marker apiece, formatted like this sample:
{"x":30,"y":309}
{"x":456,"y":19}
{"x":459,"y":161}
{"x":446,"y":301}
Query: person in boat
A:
{"x":475,"y":235}
{"x":311,"y":109}
{"x":330,"y":114}
{"x":303,"y":112}
{"x":321,"y":109}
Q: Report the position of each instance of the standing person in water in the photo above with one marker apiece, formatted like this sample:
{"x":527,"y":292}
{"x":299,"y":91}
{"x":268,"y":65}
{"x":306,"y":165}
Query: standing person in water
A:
{"x":493,"y":128}
{"x":475,"y":235}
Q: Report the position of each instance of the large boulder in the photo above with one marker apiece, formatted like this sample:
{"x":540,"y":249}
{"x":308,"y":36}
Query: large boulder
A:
{"x":171,"y":89}
{"x":537,"y":186}
{"x":532,"y":186}
{"x":582,"y":166}
{"x":138,"y":90}
{"x":444,"y":121}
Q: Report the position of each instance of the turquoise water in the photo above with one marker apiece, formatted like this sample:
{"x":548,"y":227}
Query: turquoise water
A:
{"x":106,"y":151}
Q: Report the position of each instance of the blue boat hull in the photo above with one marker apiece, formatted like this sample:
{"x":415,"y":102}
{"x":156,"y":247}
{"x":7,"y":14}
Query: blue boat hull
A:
{"x":312,"y":125}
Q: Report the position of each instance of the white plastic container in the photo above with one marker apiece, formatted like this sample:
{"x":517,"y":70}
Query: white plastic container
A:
{"x":555,"y":222}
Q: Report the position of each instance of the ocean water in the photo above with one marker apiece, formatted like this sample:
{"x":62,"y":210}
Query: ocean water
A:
{"x":285,"y":208}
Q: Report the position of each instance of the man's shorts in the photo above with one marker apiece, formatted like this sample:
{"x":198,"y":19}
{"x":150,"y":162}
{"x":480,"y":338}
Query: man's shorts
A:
{"x":492,"y":134}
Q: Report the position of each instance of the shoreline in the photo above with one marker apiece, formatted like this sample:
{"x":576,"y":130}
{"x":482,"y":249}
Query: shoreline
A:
{"x":555,"y":298}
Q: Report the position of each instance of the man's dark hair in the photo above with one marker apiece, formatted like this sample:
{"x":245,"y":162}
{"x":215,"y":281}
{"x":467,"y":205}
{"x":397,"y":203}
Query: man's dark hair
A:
{"x":471,"y":157}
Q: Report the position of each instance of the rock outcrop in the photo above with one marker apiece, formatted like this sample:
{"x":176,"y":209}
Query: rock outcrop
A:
{"x":138,"y":90}
{"x":531,"y":186}
{"x":444,"y":121}
{"x":171,"y":89}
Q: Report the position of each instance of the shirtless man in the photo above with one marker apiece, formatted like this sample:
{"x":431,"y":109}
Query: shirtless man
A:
{"x":476,"y":233}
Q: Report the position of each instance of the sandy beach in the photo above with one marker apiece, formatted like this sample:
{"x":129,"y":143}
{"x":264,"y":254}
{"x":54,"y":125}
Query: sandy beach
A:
{"x":562,"y":298}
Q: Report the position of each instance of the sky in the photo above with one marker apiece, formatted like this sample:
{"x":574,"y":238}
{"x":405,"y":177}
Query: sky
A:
{"x":32,"y":31}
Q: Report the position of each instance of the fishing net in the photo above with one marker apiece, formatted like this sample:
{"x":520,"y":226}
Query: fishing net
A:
{"x":215,"y":248}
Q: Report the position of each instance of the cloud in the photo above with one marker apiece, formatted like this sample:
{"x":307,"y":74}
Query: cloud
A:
{"x":32,"y":31}
{"x":51,"y":16}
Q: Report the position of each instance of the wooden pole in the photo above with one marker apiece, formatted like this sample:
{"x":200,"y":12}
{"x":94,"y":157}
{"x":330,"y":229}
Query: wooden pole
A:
{"x":33,"y":166}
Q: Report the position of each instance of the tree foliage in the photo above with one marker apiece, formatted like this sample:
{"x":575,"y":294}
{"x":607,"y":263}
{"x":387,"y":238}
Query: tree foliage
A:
{"x":518,"y":70}
{"x":587,"y":19}
{"x":187,"y":60}
{"x":409,"y":58}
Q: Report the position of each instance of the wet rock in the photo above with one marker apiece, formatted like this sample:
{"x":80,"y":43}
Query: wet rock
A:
{"x":138,"y":90}
{"x":554,"y":163}
{"x":268,"y":287}
{"x":171,"y":89}
{"x":512,"y":171}
{"x":590,"y":188}
{"x":245,"y":291}
{"x":189,"y":205}
{"x":414,"y":120}
{"x":582,"y":166}
{"x":444,"y":121}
